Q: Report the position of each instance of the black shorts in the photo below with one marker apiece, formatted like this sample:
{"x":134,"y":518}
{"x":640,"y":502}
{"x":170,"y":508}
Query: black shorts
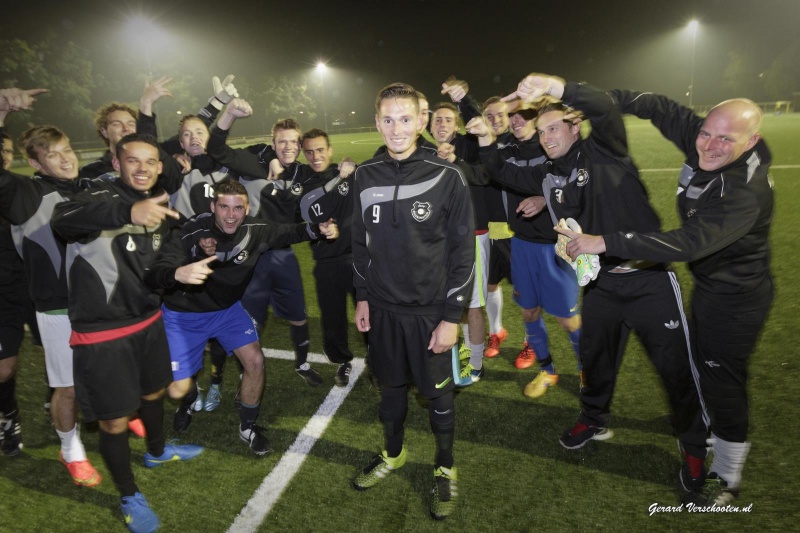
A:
{"x":111,"y":377}
{"x":398,"y":352}
{"x":499,"y":261}
{"x":12,"y":325}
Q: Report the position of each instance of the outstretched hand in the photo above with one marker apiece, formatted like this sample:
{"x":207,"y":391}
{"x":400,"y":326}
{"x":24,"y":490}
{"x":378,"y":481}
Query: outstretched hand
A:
{"x":535,"y":86}
{"x":14,"y":99}
{"x":152,"y":92}
{"x":224,"y":91}
{"x":150,"y":212}
{"x":456,"y":89}
{"x":195,"y":273}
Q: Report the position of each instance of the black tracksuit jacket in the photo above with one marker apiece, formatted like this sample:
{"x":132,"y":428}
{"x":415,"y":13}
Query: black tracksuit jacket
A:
{"x":413,"y":235}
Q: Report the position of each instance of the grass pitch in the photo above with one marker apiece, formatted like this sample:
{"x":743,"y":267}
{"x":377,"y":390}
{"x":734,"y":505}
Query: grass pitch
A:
{"x":513,"y":474}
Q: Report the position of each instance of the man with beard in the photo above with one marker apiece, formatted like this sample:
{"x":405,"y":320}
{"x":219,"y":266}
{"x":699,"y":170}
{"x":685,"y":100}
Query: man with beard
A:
{"x":201,"y":300}
{"x":122,"y":361}
{"x":329,"y":196}
{"x":542,"y":280}
{"x":276,"y":281}
{"x":594,"y":181}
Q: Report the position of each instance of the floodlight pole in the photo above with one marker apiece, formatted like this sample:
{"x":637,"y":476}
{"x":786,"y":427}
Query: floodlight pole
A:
{"x":321,"y":67}
{"x":693,"y":27}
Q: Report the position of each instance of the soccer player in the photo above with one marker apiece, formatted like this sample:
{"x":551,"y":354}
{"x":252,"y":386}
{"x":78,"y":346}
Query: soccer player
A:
{"x":13,"y":294}
{"x":496,"y":113}
{"x":201,"y":300}
{"x":725,"y":201}
{"x":462,"y":150}
{"x":28,"y":204}
{"x":329,"y":196}
{"x":276,"y":280}
{"x":115,"y":120}
{"x":413,"y":257}
{"x":542,"y":280}
{"x":122,"y":362}
{"x":594,"y":181}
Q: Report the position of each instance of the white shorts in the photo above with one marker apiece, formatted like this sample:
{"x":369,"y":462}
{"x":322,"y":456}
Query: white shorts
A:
{"x":479,"y":290}
{"x":55,"y":331}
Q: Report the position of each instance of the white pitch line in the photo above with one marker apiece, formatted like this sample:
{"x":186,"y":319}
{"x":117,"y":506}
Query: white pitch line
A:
{"x":270,"y":490}
{"x":784,"y":167}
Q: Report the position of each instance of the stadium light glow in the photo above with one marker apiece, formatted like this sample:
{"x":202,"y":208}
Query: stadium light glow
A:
{"x":142,"y":32}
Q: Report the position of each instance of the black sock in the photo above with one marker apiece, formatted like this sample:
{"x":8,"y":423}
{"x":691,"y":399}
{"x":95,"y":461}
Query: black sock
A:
{"x":248,"y":414}
{"x":392,"y":412}
{"x":8,"y":404}
{"x":116,"y":453}
{"x":300,"y":342}
{"x":152,"y":414}
{"x":218,"y":360}
{"x":442,"y":411}
{"x":191,"y":396}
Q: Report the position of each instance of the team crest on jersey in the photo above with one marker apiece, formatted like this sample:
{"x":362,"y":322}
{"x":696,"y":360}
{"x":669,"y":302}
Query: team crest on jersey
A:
{"x":343,"y":188}
{"x":421,"y":211}
{"x":241,"y":257}
{"x":156,"y":242}
{"x":297,"y":189}
{"x":583,"y":177}
{"x":559,"y":196}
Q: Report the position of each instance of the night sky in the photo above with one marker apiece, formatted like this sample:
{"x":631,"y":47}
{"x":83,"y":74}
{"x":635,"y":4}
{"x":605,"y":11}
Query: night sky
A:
{"x":639,"y":45}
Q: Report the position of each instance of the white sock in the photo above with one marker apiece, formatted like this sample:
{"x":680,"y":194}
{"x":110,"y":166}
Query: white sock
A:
{"x":71,"y":446}
{"x":494,"y":310}
{"x":476,"y":355}
{"x":729,"y":458}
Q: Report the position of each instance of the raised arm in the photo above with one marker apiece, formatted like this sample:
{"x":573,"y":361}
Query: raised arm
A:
{"x":238,"y":161}
{"x":677,"y":123}
{"x":99,"y":209}
{"x":608,"y":128}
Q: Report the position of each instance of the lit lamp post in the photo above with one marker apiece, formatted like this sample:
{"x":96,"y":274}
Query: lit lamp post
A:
{"x":692,"y":26}
{"x":321,"y":68}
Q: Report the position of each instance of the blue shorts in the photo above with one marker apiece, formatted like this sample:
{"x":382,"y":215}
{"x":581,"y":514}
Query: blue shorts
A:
{"x":542,"y":279}
{"x":276,"y":282}
{"x":188,"y":333}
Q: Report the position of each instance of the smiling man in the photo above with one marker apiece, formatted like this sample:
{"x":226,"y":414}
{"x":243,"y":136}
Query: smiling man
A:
{"x":542,"y":280}
{"x":276,"y":281}
{"x":201,"y":295}
{"x":413,"y":256}
{"x":725,"y":201}
{"x":594,"y":181}
{"x":28,"y":204}
{"x":329,"y":195}
{"x":122,"y":360}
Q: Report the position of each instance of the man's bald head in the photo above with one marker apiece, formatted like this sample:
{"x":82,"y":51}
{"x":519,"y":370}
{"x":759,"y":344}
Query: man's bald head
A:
{"x":729,"y":130}
{"x":741,"y":109}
